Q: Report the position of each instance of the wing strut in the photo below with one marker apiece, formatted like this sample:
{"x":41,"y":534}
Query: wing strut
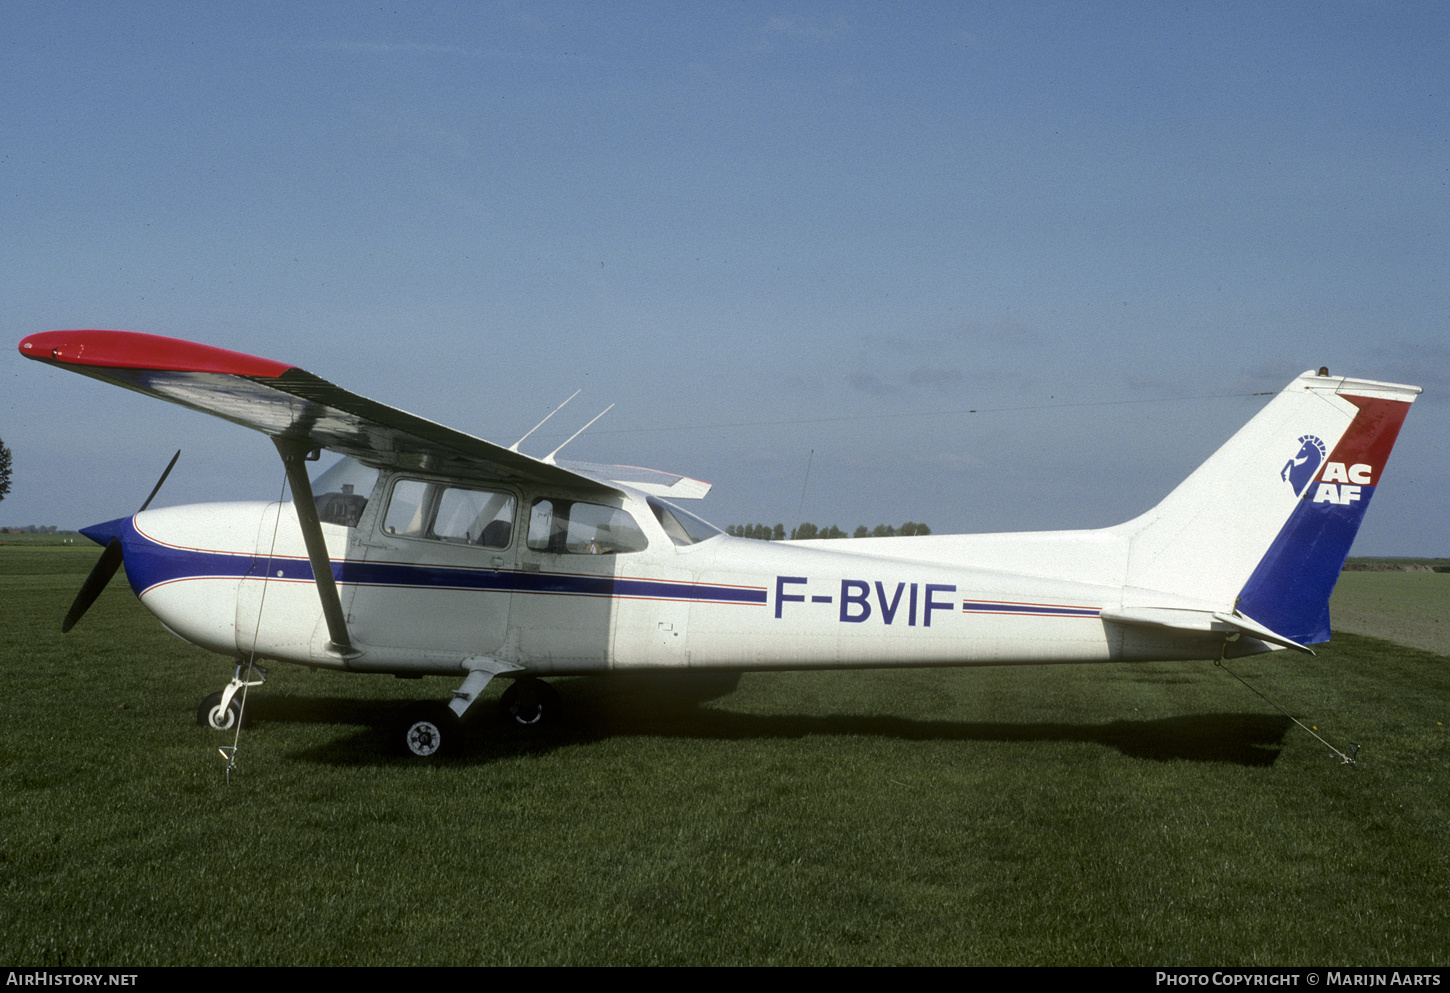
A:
{"x":294,"y":457}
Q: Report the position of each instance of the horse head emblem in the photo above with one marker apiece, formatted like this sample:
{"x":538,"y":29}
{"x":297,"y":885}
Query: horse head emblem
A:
{"x":1299,"y":471}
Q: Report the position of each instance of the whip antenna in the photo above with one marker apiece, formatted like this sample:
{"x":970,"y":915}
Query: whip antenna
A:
{"x":550,"y":457}
{"x":515,"y":446}
{"x":801,"y":509}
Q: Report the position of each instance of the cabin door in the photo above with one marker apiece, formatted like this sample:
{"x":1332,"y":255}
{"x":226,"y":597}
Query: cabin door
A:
{"x":437,"y":569}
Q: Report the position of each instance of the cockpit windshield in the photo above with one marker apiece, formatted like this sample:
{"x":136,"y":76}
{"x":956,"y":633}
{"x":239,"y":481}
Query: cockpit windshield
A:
{"x":683,"y":527}
{"x":342,"y":492}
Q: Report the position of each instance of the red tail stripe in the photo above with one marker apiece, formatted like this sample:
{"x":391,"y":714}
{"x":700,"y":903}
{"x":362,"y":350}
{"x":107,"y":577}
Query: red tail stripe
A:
{"x":1370,"y":436}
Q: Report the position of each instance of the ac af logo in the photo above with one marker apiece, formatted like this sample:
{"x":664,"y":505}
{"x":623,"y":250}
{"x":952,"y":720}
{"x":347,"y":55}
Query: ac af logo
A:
{"x":1299,"y":471}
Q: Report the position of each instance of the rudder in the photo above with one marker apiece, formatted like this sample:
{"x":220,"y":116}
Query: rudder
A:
{"x":1263,"y":527}
{"x":1289,"y":589}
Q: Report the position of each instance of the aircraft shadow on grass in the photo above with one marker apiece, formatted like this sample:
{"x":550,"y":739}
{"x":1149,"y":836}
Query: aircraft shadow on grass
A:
{"x":676,"y":707}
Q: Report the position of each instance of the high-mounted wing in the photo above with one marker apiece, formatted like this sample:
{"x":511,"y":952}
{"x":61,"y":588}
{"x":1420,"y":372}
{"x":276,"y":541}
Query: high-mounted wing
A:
{"x":293,"y":405}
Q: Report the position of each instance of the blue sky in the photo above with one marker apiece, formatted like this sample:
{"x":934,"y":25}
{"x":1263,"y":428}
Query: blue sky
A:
{"x":772,"y":234}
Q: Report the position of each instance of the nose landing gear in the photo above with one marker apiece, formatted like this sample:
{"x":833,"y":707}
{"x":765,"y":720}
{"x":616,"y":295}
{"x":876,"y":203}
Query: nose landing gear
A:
{"x":222,"y":711}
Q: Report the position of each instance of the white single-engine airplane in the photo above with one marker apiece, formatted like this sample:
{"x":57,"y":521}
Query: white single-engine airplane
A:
{"x":427,"y":551}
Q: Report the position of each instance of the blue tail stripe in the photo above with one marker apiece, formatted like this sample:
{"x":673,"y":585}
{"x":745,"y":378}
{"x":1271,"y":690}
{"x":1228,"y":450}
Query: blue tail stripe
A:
{"x":1289,"y":590}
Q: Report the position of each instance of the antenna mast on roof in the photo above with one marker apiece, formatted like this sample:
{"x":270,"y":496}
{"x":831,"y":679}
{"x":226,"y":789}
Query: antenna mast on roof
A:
{"x":550,"y":457}
{"x":515,"y":446}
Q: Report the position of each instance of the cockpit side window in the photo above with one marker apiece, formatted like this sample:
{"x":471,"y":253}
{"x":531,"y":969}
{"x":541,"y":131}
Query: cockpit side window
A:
{"x":570,"y":527}
{"x":478,"y":517}
{"x":435,"y":511}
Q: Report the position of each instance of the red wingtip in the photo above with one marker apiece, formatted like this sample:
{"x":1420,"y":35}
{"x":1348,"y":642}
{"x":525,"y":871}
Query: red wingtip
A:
{"x":134,"y":350}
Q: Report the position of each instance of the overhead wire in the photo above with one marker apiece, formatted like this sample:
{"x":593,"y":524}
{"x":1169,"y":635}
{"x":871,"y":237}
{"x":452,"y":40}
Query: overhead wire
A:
{"x":928,"y":413}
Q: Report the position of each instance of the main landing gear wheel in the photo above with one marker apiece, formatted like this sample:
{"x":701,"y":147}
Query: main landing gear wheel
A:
{"x":431,"y":731}
{"x":211,"y":715}
{"x":530,"y":703}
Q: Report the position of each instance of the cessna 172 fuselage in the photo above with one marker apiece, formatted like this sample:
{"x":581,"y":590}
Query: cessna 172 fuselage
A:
{"x":429,"y":551}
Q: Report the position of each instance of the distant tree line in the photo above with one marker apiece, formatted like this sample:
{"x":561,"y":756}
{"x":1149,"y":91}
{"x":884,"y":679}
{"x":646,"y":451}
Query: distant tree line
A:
{"x":765,"y":532}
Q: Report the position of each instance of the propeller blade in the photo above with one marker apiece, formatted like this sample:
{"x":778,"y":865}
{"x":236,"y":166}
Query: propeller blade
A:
{"x":104,"y":569}
{"x":107,"y":565}
{"x":157,"y":488}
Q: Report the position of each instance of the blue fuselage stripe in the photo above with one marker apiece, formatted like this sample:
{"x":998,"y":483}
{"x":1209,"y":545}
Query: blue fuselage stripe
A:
{"x":1035,"y":609}
{"x":149,"y":564}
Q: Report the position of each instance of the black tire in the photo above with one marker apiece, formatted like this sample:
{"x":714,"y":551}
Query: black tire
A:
{"x":210,"y":713}
{"x":531,"y":704}
{"x":430,"y":731}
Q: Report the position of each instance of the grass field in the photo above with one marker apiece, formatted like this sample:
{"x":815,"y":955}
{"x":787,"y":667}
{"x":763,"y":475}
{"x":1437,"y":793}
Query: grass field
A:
{"x":1153,"y":814}
{"x":1412,"y":608}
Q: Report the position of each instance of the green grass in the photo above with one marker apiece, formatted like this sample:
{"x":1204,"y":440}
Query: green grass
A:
{"x":1366,"y":562}
{"x":39,"y":540}
{"x":1154,"y":814}
{"x":1412,"y":608}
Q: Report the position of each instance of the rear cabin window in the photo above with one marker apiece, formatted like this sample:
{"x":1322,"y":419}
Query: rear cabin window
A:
{"x":683,"y":527}
{"x":570,"y":527}
{"x":463,"y":515}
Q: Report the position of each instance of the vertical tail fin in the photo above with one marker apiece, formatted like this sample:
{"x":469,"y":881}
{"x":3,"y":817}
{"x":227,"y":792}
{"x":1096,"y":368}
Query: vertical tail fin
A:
{"x":1266,"y":523}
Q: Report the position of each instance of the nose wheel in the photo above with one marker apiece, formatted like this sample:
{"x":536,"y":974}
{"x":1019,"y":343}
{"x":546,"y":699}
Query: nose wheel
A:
{"x":218,"y":716}
{"x":222,"y":711}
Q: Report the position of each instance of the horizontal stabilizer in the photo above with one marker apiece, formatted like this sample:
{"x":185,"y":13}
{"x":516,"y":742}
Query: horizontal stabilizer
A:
{"x":1206,"y":621}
